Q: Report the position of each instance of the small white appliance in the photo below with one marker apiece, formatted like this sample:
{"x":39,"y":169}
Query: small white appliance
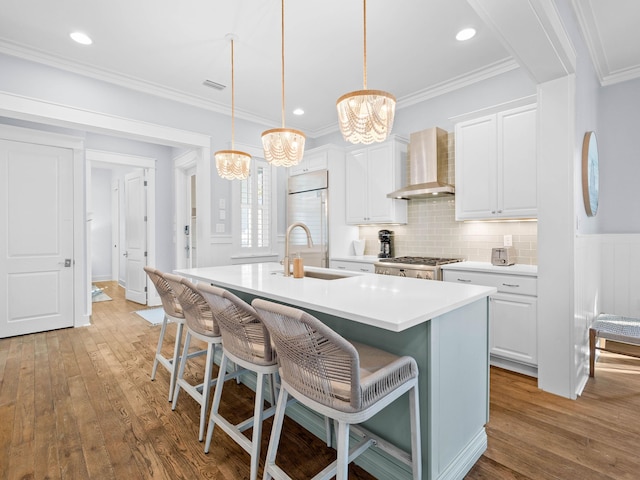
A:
{"x":503,"y":256}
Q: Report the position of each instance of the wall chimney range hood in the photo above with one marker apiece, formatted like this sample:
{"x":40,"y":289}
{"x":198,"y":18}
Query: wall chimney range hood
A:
{"x":428,"y":166}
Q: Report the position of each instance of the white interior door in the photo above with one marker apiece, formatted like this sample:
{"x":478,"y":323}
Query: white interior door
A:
{"x":36,"y":247}
{"x":135,"y":237}
{"x":115,"y":229}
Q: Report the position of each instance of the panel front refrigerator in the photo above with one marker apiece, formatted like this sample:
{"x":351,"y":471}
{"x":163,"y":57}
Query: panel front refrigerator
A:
{"x":307,"y":203}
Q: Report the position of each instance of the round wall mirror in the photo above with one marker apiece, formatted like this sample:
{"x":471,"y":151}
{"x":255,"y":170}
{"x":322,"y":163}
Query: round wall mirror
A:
{"x":590,"y":173}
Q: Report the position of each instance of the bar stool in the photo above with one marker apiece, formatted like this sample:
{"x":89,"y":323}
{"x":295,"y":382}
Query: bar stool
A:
{"x":201,"y":325}
{"x":348,"y":382}
{"x":172,"y":313}
{"x":246,"y":342}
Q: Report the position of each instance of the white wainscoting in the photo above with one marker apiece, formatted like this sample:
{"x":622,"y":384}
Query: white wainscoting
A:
{"x":620,"y":274}
{"x":588,"y":300}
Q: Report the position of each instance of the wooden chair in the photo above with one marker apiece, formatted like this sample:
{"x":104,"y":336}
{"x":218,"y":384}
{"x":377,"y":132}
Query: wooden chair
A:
{"x":616,"y":328}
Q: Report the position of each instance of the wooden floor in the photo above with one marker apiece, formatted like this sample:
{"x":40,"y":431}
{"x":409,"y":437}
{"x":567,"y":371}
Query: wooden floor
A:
{"x":79,"y":404}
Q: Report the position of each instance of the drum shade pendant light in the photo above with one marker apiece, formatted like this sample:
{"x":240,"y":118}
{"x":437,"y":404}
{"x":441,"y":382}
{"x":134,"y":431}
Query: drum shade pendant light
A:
{"x":283,"y":147}
{"x":232,"y":164}
{"x":366,"y":116}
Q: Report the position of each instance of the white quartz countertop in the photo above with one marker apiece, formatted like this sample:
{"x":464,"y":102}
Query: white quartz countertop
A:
{"x":517,"y":269}
{"x":388,"y":302}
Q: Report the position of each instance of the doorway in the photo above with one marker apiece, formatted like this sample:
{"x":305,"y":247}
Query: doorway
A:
{"x":126,"y":202}
{"x":187,"y":220}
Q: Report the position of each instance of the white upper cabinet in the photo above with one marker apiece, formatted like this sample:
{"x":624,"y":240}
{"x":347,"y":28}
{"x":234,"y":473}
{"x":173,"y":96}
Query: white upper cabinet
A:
{"x":311,"y":162}
{"x":496,"y":166}
{"x":372,"y":172}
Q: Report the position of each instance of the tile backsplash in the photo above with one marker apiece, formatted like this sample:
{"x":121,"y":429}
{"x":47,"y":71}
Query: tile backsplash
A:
{"x":432,"y":231}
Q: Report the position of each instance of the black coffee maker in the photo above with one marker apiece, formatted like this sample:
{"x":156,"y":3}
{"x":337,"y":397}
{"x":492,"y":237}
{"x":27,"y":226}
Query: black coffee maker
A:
{"x":386,"y":243}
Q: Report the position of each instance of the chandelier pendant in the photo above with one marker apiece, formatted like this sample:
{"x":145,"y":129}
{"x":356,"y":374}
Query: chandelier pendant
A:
{"x":283,"y":147}
{"x":232,"y":164}
{"x":366,"y":116}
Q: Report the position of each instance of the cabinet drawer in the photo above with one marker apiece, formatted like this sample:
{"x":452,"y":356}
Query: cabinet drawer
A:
{"x":517,"y":284}
{"x":353,"y":266}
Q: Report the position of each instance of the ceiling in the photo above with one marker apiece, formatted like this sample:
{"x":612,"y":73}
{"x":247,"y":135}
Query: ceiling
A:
{"x":169,"y":48}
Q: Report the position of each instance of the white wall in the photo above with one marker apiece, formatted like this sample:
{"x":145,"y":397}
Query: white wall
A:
{"x":618,"y":122}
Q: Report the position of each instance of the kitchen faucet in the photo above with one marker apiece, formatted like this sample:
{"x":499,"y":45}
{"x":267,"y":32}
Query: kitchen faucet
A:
{"x":286,"y":261}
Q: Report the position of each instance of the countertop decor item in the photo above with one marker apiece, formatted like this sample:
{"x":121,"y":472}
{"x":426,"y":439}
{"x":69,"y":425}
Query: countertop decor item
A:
{"x":232,"y":164}
{"x":283,"y":147}
{"x":358,"y":247}
{"x":590,"y":173}
{"x":366,"y":116}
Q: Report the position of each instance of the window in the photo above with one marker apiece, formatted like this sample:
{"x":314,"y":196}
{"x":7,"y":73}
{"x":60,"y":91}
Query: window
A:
{"x":255,"y":232}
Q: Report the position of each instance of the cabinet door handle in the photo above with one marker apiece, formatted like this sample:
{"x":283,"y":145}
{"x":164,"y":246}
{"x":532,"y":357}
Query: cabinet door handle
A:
{"x":342,"y":268}
{"x":465,"y":280}
{"x":511,"y":285}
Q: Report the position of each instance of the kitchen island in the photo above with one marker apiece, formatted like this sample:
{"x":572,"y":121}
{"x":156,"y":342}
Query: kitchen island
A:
{"x":444,"y":326}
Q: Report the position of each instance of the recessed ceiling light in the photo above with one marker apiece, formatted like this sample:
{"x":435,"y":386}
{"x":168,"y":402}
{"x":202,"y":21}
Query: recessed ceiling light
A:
{"x":82,"y":38}
{"x":465,"y":34}
{"x":298,"y":111}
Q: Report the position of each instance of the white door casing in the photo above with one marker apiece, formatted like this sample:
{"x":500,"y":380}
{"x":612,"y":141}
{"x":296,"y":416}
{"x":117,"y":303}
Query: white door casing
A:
{"x":135,"y":237}
{"x":112,"y":160}
{"x":37,"y":252}
{"x":184,"y":166}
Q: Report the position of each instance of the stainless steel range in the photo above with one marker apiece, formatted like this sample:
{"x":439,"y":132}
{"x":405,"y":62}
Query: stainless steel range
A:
{"x":427,"y":268}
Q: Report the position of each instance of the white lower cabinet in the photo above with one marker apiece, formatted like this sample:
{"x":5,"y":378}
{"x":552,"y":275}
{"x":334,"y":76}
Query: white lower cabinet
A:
{"x":513,"y":335}
{"x":350,"y":266}
{"x":513,"y":332}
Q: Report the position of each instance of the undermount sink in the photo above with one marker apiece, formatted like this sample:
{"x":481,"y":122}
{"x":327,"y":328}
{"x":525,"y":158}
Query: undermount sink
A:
{"x":323,"y":275}
{"x":319,"y":275}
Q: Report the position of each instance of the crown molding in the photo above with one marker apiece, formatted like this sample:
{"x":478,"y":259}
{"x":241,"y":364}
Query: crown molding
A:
{"x":33,"y":109}
{"x":150,"y":88}
{"x":497,"y":68}
{"x":589,"y":29}
{"x":490,"y":71}
{"x":132,"y":83}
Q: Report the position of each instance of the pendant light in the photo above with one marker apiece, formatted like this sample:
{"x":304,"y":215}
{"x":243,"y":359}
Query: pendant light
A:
{"x":366,"y":116}
{"x":283,"y":147}
{"x":232,"y":164}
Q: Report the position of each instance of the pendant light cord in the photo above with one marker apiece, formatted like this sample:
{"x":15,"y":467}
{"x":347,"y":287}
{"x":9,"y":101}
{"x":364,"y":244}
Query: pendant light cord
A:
{"x":282,"y":48}
{"x":365,"y":43}
{"x":232,"y":99}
